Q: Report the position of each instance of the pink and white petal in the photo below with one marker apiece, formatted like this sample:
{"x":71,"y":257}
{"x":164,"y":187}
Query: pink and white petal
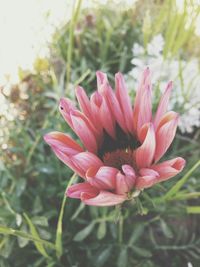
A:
{"x":145,"y":109}
{"x":145,"y":153}
{"x":103,"y":178}
{"x":130,"y":175}
{"x":164,"y":136}
{"x":145,"y":182}
{"x":68,"y":161}
{"x":162,"y":107}
{"x":122,"y":187}
{"x":101,"y":80}
{"x":124,"y":100}
{"x":76,"y":190}
{"x":84,"y":102}
{"x":86,"y":160}
{"x":107,"y":119}
{"x":116,"y":109}
{"x":145,"y":81}
{"x":63,"y":142}
{"x":66,"y":106}
{"x":148,"y":172}
{"x":83,"y":130}
{"x":104,"y":198}
{"x":169,"y":168}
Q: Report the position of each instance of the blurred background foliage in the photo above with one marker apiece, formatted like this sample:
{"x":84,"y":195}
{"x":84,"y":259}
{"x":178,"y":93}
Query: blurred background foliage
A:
{"x":162,"y":227}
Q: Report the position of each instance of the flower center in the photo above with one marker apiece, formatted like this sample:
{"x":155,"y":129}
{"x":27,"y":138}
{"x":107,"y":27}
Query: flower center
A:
{"x":119,"y":157}
{"x":119,"y":151}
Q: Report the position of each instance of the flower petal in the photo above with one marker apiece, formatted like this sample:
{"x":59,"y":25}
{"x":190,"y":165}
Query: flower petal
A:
{"x":86,"y":160}
{"x":169,"y":168}
{"x":84,"y":102}
{"x":66,"y":106}
{"x":63,"y":142}
{"x":122,"y":187}
{"x":124,"y":100}
{"x":104,"y":198}
{"x":130,"y":175}
{"x":145,"y":153}
{"x":76,"y":190}
{"x":102,"y":178}
{"x":148,"y":178}
{"x":85,"y":131}
{"x":165,"y":133}
{"x":162,"y":107}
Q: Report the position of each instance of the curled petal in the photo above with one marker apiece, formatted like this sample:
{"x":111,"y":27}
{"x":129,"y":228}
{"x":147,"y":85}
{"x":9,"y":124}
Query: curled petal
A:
{"x":130,"y":175}
{"x":148,"y":178}
{"x":162,"y":107}
{"x":124,"y":100}
{"x":122,"y":187}
{"x":104,"y":198}
{"x":145,"y":153}
{"x":101,"y":80}
{"x":76,"y":190}
{"x":63,"y":142}
{"x":165,"y":133}
{"x":102,"y":178}
{"x":86,"y":160}
{"x":169,"y":168}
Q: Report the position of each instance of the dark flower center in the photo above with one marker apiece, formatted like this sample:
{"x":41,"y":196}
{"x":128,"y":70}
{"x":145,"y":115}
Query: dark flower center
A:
{"x":119,"y":151}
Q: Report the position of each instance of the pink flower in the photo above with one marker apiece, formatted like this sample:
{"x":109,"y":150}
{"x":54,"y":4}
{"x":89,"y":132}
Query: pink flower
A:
{"x":121,"y":144}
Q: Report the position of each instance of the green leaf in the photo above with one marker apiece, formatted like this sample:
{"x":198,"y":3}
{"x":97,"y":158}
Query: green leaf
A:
{"x":103,"y":257}
{"x":193,"y":209}
{"x":142,"y":252}
{"x":34,"y":232}
{"x":10,"y":231}
{"x":101,"y":232}
{"x":80,"y":236}
{"x":166,"y":230}
{"x":123,"y":258}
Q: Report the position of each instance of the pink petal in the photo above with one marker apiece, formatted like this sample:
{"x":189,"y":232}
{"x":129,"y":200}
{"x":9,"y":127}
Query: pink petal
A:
{"x":162,"y":107}
{"x":124,"y":100}
{"x":145,"y":153}
{"x":101,"y":80}
{"x":63,"y":142}
{"x":116,"y":109}
{"x":144,"y":113}
{"x":145,"y":81}
{"x":68,"y":161}
{"x":76,"y":190}
{"x":122,"y":187}
{"x":165,"y":133}
{"x":169,"y":168}
{"x":86,"y":160}
{"x":102,"y":178}
{"x":84,"y":102}
{"x":66,"y":106}
{"x":130,"y":175}
{"x":84,"y":130}
{"x":104,"y":198}
{"x":107,"y":119}
{"x":148,"y":178}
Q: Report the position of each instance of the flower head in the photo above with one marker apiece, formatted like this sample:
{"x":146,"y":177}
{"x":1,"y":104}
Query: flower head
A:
{"x":121,"y":145}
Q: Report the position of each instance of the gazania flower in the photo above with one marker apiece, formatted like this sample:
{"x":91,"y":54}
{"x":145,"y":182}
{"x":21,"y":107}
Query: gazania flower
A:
{"x":121,"y":145}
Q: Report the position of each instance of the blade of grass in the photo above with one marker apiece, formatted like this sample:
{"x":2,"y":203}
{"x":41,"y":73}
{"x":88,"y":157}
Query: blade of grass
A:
{"x":41,"y":249}
{"x":10,"y":231}
{"x":75,"y":13}
{"x":181,"y":182}
{"x":58,"y":242}
{"x":193,"y":209}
